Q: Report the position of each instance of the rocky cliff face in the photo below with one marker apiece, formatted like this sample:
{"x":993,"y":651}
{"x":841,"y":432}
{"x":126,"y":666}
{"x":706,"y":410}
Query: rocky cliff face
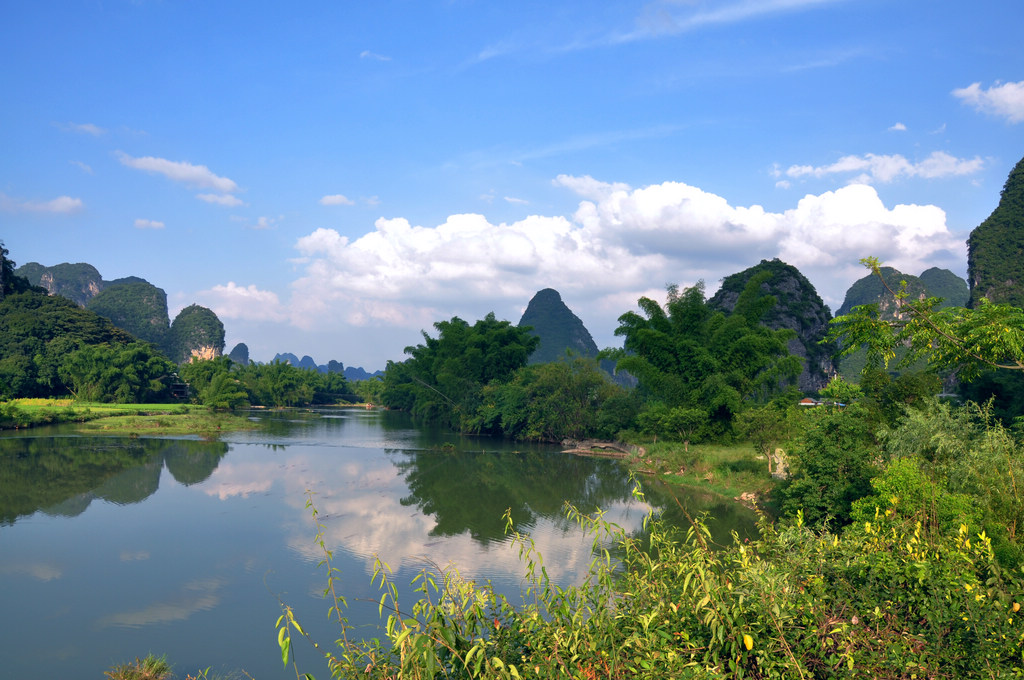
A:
{"x":79,"y":282}
{"x":995,"y":249}
{"x":798,"y":307}
{"x":557,"y":327}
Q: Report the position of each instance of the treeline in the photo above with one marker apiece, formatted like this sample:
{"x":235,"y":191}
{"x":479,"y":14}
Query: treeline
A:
{"x":698,"y":369}
{"x":51,"y":347}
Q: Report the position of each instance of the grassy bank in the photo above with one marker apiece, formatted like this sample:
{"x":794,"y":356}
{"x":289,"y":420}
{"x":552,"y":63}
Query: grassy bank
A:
{"x":137,"y":419}
{"x":731,"y":470}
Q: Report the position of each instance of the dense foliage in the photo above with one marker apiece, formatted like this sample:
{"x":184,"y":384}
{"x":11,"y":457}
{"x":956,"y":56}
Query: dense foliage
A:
{"x":138,"y":307}
{"x":968,"y":340}
{"x":221,"y":383}
{"x":571,"y":398}
{"x":37,"y":334}
{"x":995,"y":249}
{"x":797,"y":306}
{"x":687,"y":354}
{"x":886,"y":598}
{"x":443,"y":378}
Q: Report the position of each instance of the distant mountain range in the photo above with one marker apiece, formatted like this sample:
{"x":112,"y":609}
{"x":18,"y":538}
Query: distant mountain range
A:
{"x":331,"y":366}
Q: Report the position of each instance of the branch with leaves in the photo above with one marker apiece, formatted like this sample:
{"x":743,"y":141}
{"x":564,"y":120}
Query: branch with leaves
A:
{"x":967,"y":340}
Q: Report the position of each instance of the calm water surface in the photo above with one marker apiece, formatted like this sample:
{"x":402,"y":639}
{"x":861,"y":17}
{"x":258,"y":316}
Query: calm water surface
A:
{"x":113,"y":547}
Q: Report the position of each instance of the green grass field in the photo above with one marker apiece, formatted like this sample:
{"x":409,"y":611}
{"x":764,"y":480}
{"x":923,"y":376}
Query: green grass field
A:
{"x":137,"y":419}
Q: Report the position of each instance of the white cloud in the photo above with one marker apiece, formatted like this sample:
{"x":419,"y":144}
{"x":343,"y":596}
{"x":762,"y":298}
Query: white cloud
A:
{"x":615,"y":248}
{"x":82,"y":166}
{"x":588,"y":187}
{"x":220,"y":199}
{"x":367,"y":54}
{"x":517,"y":201}
{"x":180,"y":171}
{"x":60,"y":205}
{"x":898,"y":127}
{"x":232,"y":301}
{"x":1005,"y":100}
{"x":336,"y":199}
{"x":148,"y":224}
{"x":883,"y":168}
{"x":82,"y":128}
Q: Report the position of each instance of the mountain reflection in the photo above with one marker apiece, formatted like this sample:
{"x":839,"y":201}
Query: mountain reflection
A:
{"x":61,"y":476}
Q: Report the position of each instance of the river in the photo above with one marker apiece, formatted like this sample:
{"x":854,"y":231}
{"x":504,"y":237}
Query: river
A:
{"x":115,"y":547}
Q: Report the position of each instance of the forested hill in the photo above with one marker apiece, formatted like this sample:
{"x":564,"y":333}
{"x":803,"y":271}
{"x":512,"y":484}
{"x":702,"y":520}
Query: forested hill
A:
{"x":133,"y":304}
{"x":78,"y":282}
{"x":933,"y":282}
{"x":995,"y":249}
{"x":557,"y":327}
{"x":798,"y":307}
{"x":945,"y":284}
{"x":869,"y":290}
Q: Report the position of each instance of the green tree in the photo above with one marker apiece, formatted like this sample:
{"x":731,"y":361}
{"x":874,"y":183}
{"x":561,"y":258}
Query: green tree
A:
{"x":443,"y":378}
{"x":767,"y":427}
{"x":37,"y":332}
{"x":833,"y":465}
{"x":967,"y":340}
{"x":133,"y":373}
{"x":551,"y":401}
{"x":686,"y":355}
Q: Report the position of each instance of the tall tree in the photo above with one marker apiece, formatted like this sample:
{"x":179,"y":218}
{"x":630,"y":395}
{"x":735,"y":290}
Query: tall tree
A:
{"x":443,"y":377}
{"x":686,"y":354}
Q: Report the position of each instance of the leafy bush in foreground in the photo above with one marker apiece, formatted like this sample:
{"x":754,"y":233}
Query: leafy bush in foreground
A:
{"x":880,"y":600}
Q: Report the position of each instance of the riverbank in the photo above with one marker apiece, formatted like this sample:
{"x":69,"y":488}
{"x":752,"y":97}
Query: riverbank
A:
{"x":730,"y":470}
{"x":127,"y":419}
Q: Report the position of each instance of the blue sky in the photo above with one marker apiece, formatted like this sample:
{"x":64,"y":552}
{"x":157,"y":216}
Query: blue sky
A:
{"x":333,"y":177}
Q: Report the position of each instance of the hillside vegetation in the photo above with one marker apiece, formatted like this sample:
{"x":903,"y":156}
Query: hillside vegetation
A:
{"x":995,"y":249}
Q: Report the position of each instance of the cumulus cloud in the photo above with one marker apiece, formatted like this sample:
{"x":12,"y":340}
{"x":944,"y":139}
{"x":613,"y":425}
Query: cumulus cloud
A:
{"x":898,"y":127}
{"x":1004,"y":100}
{"x":180,"y":171}
{"x":884,"y":168}
{"x":232,"y":301}
{"x":336,"y":199}
{"x":220,"y":199}
{"x":148,"y":224}
{"x":60,"y":205}
{"x":616,"y":247}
